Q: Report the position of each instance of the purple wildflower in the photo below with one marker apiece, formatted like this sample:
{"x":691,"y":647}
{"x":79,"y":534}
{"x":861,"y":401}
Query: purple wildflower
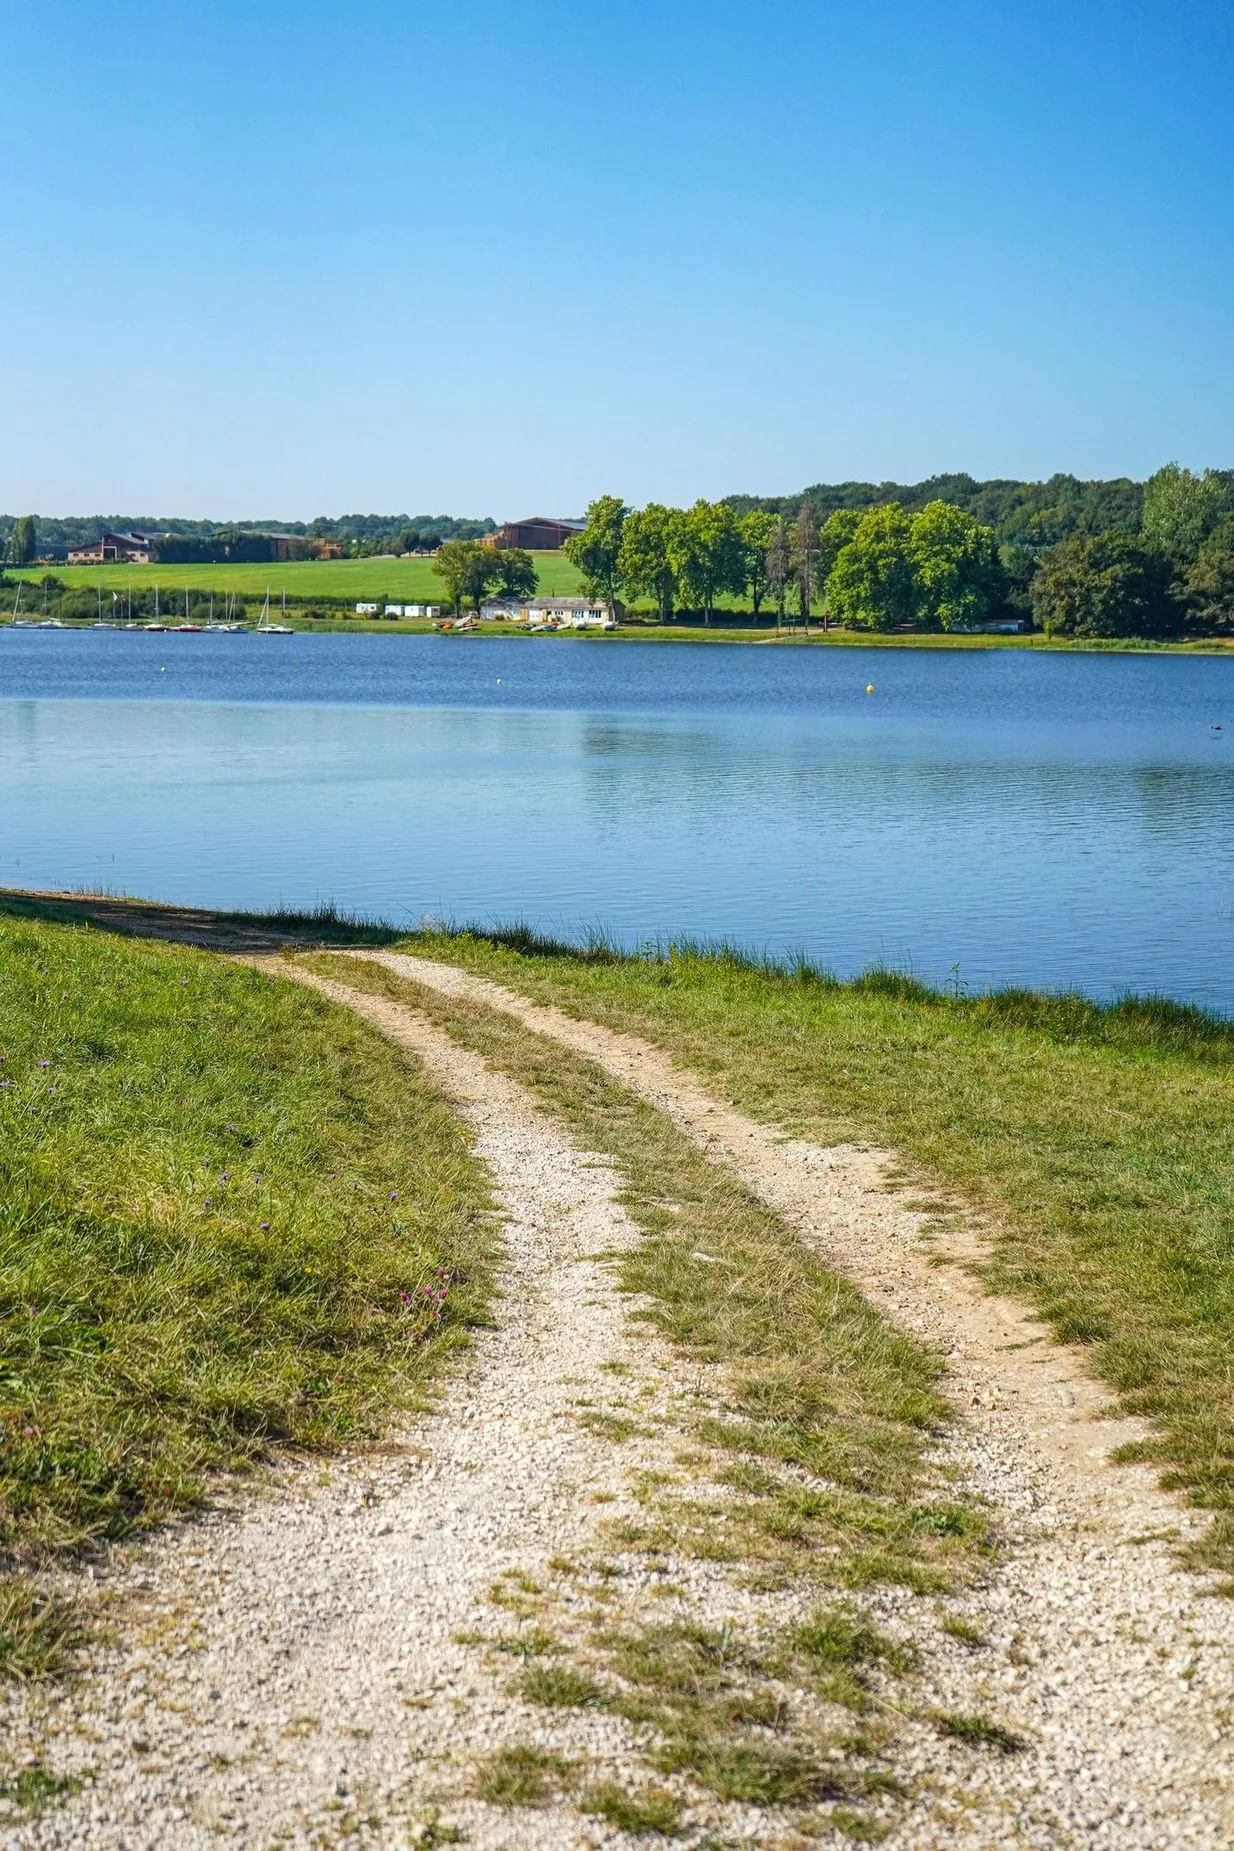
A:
{"x":265,"y":1224}
{"x":44,"y":1063}
{"x":394,"y":1195}
{"x":225,"y":1177}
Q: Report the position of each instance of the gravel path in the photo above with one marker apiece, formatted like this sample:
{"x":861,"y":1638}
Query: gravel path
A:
{"x":315,"y":1666}
{"x":1117,"y":1666}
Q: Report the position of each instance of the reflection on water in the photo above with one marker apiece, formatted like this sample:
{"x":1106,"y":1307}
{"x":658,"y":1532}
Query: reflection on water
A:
{"x":1026,"y":819}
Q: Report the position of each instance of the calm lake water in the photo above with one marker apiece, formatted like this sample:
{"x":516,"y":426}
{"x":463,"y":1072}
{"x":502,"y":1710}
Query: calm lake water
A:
{"x":988,"y":817}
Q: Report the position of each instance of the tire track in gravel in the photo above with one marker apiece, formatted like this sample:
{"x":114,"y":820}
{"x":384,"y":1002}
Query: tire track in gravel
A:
{"x":1117,"y":1665}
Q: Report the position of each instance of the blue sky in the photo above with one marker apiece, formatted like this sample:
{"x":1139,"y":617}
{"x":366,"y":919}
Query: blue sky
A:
{"x":495,"y":257}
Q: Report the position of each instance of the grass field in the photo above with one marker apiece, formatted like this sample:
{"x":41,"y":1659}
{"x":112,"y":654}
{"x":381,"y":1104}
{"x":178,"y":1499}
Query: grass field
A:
{"x":221,"y":1201}
{"x":1097,"y":1143}
{"x":353,"y":579}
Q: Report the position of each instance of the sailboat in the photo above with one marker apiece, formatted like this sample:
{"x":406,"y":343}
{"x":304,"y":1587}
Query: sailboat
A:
{"x":18,"y":622}
{"x":187,"y":625}
{"x":156,"y":625}
{"x":265,"y":627}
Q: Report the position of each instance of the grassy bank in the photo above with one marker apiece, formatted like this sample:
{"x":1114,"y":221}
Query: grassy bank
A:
{"x":221,"y":1203}
{"x":1096,"y":1143}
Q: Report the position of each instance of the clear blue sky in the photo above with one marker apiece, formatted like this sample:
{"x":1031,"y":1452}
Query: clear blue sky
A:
{"x":498,"y":256}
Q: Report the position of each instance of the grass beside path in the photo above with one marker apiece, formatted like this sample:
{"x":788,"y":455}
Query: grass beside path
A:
{"x":1097,"y":1143}
{"x":820,"y":1382}
{"x":221,"y":1201}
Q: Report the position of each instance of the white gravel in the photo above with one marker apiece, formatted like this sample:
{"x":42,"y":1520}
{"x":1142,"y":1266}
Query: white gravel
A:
{"x":302,"y":1668}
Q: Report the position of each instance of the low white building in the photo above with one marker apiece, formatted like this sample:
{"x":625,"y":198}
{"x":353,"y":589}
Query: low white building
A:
{"x":549,"y":613}
{"x":367,"y":610}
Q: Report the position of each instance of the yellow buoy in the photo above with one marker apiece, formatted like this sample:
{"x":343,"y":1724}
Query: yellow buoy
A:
{"x":869,"y":687}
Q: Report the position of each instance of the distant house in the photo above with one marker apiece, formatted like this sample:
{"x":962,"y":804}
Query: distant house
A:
{"x":127,"y":548}
{"x":538,"y":534}
{"x":549,"y":613}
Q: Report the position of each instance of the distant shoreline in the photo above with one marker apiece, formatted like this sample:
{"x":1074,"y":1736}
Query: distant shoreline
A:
{"x":718,"y":633}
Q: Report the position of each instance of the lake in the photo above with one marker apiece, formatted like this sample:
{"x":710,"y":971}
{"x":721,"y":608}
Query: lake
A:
{"x":980,"y":818}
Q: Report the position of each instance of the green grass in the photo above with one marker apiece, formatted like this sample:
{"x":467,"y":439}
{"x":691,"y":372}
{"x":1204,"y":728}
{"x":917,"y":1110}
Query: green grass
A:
{"x":221,"y":1200}
{"x":650,"y":1809}
{"x":1096,"y":1144}
{"x":400,"y":580}
{"x":523,"y":1775}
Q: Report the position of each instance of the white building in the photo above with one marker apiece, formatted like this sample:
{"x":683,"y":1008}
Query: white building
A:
{"x":367,"y":610}
{"x":549,"y":613}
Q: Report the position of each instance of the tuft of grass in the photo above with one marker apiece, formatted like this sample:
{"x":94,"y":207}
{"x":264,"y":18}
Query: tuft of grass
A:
{"x":651,"y":1809}
{"x":561,"y":1687}
{"x":232,"y":1219}
{"x":39,"y":1634}
{"x":523,"y":1775}
{"x":1096,"y":1143}
{"x":981,"y":1732}
{"x":755,"y":1773}
{"x":967,"y":1635}
{"x":33,"y":1789}
{"x":840,"y":1645}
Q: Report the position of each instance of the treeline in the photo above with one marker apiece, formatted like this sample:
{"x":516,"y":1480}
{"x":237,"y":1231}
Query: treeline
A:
{"x":878,"y":570}
{"x":1033,"y":514}
{"x":24,"y":538}
{"x":936,"y":566}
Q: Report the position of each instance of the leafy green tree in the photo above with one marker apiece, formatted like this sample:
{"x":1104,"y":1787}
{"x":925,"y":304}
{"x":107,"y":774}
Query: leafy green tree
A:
{"x":758,"y":530}
{"x":958,"y":569}
{"x":648,"y":548}
{"x":873,"y":584}
{"x":23,"y":543}
{"x":1182,"y":509}
{"x":466,"y":569}
{"x":596,"y":551}
{"x":514,"y":571}
{"x":707,"y":555}
{"x":836,"y":532}
{"x":1208,"y":587}
{"x":1107,"y":584}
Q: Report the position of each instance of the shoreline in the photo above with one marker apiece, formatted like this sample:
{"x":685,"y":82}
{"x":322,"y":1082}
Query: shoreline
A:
{"x":698,"y":633}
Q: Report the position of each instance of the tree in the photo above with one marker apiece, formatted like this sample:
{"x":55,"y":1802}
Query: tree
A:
{"x":757,"y":530}
{"x":23,"y":543}
{"x":1109,"y":584}
{"x":596,"y":551}
{"x":837,"y":530}
{"x":959,"y":572}
{"x":467,"y":569}
{"x":1208,"y":587}
{"x":1181,"y":509}
{"x":804,"y":550}
{"x":873,"y":584}
{"x":648,"y":544}
{"x":514,"y":571}
{"x":706,"y":554}
{"x":779,"y":566}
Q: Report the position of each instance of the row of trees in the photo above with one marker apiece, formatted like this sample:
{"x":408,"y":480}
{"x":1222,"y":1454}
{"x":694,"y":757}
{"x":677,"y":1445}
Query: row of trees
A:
{"x":937,"y":567}
{"x":877,"y":570}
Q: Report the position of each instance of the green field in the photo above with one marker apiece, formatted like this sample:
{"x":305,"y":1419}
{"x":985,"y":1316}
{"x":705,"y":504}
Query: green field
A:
{"x":350,"y":579}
